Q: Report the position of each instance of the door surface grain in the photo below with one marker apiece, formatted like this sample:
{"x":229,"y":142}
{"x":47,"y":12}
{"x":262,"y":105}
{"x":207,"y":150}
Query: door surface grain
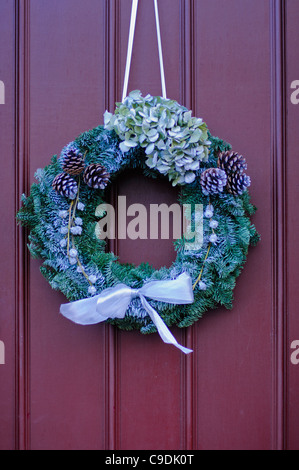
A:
{"x":69,"y":387}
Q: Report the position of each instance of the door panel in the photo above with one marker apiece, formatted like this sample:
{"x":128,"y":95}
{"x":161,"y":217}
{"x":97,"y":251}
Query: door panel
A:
{"x":66,"y":96}
{"x":234,"y":351}
{"x":69,"y":387}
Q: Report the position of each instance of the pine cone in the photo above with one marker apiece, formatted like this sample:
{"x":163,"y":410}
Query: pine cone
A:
{"x":72,"y":162}
{"x":96,"y":176}
{"x":65,"y":185}
{"x":238,"y":183}
{"x":213,"y":181}
{"x":231,"y":162}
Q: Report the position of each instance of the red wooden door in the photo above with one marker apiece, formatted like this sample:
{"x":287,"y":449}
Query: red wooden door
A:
{"x":67,"y":387}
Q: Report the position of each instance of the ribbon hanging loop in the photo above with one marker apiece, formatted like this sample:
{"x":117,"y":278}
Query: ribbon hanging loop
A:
{"x":134,"y":10}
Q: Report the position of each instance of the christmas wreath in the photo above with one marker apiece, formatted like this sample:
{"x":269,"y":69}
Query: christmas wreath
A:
{"x":65,"y":205}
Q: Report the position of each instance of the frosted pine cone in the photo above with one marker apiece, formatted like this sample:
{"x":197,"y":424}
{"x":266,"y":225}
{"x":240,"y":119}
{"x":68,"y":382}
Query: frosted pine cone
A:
{"x":72,"y":161}
{"x":231,"y":162}
{"x":238,"y":183}
{"x":213,"y":181}
{"x":96,"y":176}
{"x":65,"y":185}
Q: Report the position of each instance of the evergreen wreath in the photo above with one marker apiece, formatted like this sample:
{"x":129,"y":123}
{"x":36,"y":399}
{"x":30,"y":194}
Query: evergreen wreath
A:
{"x":161,"y":138}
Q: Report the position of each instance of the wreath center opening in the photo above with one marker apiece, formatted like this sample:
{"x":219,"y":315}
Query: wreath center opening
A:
{"x":142,"y":219}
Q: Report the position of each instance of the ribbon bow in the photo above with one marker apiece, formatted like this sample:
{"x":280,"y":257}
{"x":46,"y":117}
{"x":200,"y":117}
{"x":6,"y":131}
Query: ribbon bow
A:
{"x":114,"y":302}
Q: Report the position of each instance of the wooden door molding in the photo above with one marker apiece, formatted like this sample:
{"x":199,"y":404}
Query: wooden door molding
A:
{"x":279,"y":220}
{"x":22,"y":162}
{"x":189,"y":42}
{"x":112,"y":93}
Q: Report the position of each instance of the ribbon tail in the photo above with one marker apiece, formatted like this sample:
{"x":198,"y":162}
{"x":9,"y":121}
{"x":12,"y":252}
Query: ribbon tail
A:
{"x":163,"y":331}
{"x":82,"y":312}
{"x":111,"y":303}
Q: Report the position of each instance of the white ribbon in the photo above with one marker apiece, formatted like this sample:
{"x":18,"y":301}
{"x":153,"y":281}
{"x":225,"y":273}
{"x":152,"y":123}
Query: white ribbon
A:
{"x":160,"y":49}
{"x":114,"y":302}
{"x":130,"y":48}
